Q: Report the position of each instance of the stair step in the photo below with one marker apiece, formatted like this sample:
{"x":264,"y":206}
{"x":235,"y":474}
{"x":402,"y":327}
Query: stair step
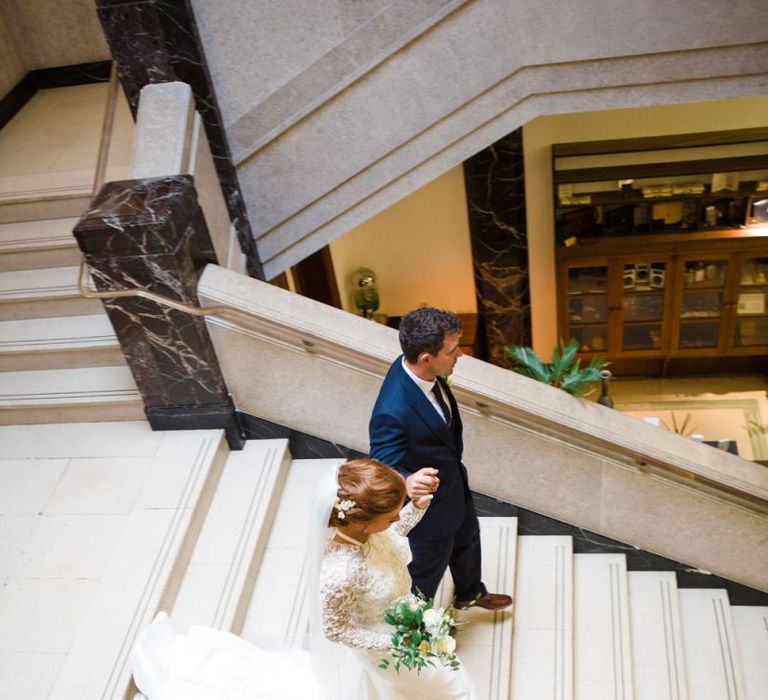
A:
{"x":485,"y":644}
{"x":602,"y":654}
{"x":278,"y":614}
{"x":141,"y":573}
{"x":28,"y":245}
{"x":751,"y":626}
{"x":69,"y":395}
{"x":658,"y":658}
{"x":58,"y":343}
{"x":711,"y":654}
{"x":542,"y":648}
{"x":43,"y":294}
{"x":219,"y":581}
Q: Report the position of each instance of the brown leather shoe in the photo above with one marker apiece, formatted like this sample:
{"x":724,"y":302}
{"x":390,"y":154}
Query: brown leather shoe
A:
{"x":489,"y":601}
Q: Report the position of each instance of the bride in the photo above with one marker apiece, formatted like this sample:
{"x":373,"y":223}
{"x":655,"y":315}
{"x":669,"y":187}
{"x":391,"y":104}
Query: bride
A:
{"x":356,"y":564}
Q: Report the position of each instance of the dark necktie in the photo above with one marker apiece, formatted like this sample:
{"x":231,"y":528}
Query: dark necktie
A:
{"x":441,"y":402}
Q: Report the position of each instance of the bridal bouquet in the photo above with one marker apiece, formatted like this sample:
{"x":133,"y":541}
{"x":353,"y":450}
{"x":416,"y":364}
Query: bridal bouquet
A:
{"x":422,"y":635}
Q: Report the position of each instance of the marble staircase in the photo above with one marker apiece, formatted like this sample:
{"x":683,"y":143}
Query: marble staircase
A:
{"x":583,"y":627}
{"x":103,"y":524}
{"x":59,"y":358}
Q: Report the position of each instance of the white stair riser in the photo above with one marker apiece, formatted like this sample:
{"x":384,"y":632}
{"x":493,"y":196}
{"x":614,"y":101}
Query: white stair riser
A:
{"x":711,"y":652}
{"x":219,"y":582}
{"x":40,"y":259}
{"x":61,"y":359}
{"x":657,"y":645}
{"x":95,"y":413}
{"x":602,"y":653}
{"x":542,"y":648}
{"x":47,"y":208}
{"x":73,"y":305}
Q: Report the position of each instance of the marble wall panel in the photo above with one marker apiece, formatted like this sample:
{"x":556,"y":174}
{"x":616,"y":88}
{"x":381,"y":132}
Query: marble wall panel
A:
{"x":151,"y":234}
{"x":156,"y":41}
{"x":495,"y":183}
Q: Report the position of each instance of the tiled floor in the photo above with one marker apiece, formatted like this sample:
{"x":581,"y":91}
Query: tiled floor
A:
{"x":717,"y":408}
{"x":88,"y":515}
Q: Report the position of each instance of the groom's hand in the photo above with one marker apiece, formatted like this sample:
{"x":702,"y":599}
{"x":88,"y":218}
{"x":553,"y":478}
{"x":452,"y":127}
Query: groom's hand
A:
{"x":422,"y":483}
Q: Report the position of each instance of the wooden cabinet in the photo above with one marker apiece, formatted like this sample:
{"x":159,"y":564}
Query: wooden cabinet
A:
{"x":662,"y":249}
{"x":662,"y":298}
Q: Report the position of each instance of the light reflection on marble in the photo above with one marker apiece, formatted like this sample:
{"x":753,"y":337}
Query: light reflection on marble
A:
{"x":496,"y":200}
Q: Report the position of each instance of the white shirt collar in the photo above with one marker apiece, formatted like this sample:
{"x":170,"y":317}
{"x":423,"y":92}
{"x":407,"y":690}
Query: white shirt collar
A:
{"x":424,"y":385}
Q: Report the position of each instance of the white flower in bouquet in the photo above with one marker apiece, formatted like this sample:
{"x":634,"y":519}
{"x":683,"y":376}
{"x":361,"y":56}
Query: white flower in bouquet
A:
{"x":433,"y":619}
{"x":422,"y":634}
{"x":445,"y":645}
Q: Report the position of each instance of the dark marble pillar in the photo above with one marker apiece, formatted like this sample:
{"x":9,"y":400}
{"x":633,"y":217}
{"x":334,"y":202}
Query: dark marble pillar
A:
{"x":156,"y":41}
{"x":151,"y":234}
{"x":495,"y":187}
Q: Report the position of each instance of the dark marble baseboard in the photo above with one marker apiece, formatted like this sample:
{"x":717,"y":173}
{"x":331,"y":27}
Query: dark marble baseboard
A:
{"x":78,"y":74}
{"x":305,"y":446}
{"x":198,"y":418}
{"x":302,"y":446}
{"x":46,"y":78}
{"x":12,"y":103}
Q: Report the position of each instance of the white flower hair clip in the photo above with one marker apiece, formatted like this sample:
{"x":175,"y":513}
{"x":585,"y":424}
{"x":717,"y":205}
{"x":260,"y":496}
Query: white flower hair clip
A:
{"x":343,"y":507}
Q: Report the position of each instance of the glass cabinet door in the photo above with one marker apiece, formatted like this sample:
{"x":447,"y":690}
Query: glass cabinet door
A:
{"x":588,"y":307}
{"x":751,"y":311}
{"x":642,"y":305}
{"x":701,"y":305}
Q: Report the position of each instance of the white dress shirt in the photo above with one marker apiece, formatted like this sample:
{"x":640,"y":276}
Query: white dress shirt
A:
{"x":426,"y":387}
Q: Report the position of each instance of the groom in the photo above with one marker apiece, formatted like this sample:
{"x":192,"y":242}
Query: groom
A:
{"x":416,"y":429}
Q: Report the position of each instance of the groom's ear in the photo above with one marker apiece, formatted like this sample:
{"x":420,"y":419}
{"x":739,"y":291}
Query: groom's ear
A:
{"x":423,"y":358}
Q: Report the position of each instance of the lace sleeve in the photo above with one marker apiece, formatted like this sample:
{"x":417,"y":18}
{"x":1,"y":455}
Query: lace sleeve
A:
{"x":410,"y":516}
{"x":342,"y":583}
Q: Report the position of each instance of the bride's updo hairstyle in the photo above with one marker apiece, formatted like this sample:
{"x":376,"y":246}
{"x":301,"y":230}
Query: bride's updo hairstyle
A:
{"x":375,"y":489}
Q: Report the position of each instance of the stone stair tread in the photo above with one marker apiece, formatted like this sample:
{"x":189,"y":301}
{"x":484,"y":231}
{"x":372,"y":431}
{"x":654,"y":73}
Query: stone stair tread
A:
{"x":62,"y":332}
{"x":139,"y":574}
{"x":751,"y":626}
{"x":602,"y":654}
{"x":711,"y":654}
{"x":67,"y":386}
{"x":485,"y":643}
{"x":228,"y":551}
{"x":542,"y":647}
{"x":45,"y":233}
{"x":658,"y":659}
{"x":278,"y":613}
{"x":54,"y":282}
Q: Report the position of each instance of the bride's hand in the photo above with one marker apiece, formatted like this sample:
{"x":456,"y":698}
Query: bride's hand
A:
{"x":422,"y":502}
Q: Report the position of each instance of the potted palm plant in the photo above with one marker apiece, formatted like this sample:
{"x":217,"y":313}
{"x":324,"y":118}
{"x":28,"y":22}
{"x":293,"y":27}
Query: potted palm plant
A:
{"x":564,"y":371}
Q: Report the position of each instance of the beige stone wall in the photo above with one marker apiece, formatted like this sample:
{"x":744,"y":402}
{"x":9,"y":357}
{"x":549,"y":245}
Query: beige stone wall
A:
{"x":314,"y":164}
{"x":419,"y":249}
{"x":12,"y":68}
{"x":60,"y":33}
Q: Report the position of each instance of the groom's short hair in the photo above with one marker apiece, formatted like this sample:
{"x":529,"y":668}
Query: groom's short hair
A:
{"x":424,"y":330}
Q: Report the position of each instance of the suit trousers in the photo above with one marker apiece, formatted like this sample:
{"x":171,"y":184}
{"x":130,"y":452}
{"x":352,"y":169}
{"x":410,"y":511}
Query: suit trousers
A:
{"x":460,"y":552}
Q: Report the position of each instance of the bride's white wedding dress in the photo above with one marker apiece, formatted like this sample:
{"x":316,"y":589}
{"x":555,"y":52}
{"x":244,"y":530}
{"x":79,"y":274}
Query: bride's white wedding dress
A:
{"x":356,"y":583}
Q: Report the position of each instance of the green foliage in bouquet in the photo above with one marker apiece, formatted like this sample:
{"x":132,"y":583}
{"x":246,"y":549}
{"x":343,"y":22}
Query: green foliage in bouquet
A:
{"x":565,"y":370}
{"x":422,"y":634}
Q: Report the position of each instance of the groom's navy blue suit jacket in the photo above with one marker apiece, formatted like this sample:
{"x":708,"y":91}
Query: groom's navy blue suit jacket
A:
{"x":407,"y":433}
